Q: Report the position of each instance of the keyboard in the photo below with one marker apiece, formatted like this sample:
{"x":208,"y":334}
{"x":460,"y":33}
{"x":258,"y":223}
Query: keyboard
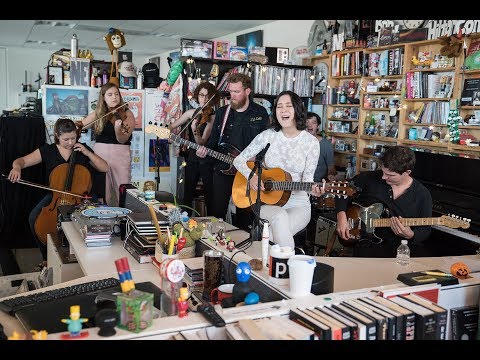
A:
{"x":11,"y":306}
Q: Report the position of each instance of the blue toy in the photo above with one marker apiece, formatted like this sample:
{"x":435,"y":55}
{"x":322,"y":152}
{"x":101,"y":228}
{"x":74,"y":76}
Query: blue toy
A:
{"x":242,"y":287}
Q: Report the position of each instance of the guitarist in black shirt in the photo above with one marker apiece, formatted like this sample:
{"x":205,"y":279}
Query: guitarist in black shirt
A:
{"x":401,"y":196}
{"x":235,"y":124}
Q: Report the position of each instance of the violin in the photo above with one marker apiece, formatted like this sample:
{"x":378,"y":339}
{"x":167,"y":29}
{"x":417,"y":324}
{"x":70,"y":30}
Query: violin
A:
{"x":120,"y":113}
{"x":206,"y":113}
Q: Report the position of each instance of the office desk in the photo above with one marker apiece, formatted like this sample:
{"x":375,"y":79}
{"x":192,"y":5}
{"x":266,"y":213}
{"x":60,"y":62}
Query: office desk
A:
{"x":352,"y":278}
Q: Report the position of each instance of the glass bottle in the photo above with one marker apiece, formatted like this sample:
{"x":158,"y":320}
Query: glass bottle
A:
{"x":403,"y":253}
{"x":220,"y":228}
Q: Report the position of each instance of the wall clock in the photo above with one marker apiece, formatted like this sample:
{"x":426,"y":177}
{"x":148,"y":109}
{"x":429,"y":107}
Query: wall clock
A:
{"x":412,"y":24}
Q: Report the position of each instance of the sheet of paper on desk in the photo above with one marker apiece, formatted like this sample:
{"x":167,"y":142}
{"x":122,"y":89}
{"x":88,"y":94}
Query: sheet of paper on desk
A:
{"x":473,"y":264}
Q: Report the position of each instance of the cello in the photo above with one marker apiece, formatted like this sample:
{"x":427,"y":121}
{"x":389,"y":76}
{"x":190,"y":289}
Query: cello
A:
{"x":68,"y":177}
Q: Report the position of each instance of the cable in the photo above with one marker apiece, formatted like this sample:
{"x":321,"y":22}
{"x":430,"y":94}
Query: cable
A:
{"x":230,"y":264}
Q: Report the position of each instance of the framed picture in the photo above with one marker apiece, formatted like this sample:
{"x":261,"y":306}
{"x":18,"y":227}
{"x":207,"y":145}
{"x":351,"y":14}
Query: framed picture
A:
{"x":353,"y":113}
{"x":55,"y":75}
{"x":282,"y":55}
{"x":254,"y":38}
{"x":221,"y":49}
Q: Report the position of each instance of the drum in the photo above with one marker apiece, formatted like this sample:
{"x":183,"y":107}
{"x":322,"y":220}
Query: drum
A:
{"x":326,"y":202}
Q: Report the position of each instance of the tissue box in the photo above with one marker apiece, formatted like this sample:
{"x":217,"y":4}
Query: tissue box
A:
{"x":136,"y":310}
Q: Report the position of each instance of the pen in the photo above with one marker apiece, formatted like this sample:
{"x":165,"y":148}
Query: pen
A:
{"x":436,"y":273}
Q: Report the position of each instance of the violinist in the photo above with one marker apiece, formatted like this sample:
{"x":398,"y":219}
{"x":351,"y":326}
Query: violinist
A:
{"x":199,"y":131}
{"x":65,"y":132}
{"x":113,"y":136}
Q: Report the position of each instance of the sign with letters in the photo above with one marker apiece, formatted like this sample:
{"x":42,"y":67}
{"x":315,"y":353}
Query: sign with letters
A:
{"x":79,"y":72}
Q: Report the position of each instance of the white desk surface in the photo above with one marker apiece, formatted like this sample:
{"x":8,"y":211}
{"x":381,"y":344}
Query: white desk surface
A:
{"x":350,"y":274}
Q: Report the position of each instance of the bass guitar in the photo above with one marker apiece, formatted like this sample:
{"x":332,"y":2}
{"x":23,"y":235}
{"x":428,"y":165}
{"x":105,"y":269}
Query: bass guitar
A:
{"x":231,"y":151}
{"x":363,"y":221}
{"x":278,"y":187}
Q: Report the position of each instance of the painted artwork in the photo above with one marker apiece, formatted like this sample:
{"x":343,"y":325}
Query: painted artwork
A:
{"x":66,"y":101}
{"x":158,"y":155}
{"x":251,"y":39}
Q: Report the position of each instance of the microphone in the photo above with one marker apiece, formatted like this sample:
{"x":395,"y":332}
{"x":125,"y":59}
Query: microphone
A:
{"x":261,"y":155}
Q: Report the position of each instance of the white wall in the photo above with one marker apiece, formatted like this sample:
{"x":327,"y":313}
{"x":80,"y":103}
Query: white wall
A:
{"x":281,"y":33}
{"x":35,"y":61}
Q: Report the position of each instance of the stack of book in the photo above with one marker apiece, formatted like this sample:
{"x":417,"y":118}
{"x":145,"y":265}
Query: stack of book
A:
{"x":96,"y":232}
{"x":194,"y":273}
{"x":141,"y":235}
{"x":401,"y":317}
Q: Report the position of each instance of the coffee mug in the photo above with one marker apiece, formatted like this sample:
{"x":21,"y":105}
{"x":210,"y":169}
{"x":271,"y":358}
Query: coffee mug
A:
{"x":222,"y":292}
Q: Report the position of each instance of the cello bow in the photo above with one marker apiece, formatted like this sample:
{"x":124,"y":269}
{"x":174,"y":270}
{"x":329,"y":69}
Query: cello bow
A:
{"x":24,"y":182}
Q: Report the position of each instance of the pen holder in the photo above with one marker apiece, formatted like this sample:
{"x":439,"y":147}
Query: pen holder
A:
{"x":161,"y":252}
{"x":136,"y":310}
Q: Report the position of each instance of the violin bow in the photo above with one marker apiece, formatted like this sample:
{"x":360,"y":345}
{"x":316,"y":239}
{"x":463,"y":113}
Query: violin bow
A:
{"x":195,"y":114}
{"x":111,"y":112}
{"x":24,"y":182}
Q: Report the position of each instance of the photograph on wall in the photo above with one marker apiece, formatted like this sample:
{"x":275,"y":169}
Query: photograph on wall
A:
{"x":251,"y":39}
{"x":66,"y":101}
{"x":135,"y":104}
{"x":158,"y":155}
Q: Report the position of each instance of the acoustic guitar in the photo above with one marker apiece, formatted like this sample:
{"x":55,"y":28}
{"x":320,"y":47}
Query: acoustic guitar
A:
{"x":364,"y":220}
{"x":278,"y":186}
{"x":231,"y":151}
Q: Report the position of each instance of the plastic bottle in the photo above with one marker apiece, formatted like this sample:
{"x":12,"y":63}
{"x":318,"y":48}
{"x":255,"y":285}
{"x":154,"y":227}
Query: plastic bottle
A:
{"x":403,"y":253}
{"x":265,"y":240}
{"x":221,"y":227}
{"x":139,"y":79}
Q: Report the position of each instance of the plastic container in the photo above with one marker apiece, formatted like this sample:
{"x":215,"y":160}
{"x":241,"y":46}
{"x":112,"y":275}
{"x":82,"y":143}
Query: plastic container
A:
{"x":403,"y":253}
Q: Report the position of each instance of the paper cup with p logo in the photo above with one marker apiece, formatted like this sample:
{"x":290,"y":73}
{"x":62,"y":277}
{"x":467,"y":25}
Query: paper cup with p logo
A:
{"x":277,"y":266}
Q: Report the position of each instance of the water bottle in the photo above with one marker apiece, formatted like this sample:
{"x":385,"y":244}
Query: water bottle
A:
{"x":265,"y":240}
{"x":139,"y":79}
{"x":403,"y":253}
{"x":221,"y":228}
{"x":74,"y":46}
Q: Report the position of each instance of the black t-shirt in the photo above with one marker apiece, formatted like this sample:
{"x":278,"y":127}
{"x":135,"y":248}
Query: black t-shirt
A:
{"x":240,"y":128}
{"x":415,"y":202}
{"x":51,"y":157}
{"x":107,"y":136}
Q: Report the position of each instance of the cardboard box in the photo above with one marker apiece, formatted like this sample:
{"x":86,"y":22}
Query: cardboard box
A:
{"x":202,"y":49}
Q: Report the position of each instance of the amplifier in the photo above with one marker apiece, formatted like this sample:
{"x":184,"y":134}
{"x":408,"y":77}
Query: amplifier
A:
{"x":325,"y":229}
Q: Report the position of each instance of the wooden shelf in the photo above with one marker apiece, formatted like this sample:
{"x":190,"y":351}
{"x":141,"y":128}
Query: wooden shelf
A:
{"x":475,"y":149}
{"x":445,"y":69}
{"x":378,"y":138}
{"x":383,"y":93}
{"x":344,"y":105}
{"x":334,"y":119}
{"x":337,"y":134}
{"x":424,"y":143}
{"x":430,"y":99}
{"x":378,"y":109}
{"x":347,"y":77}
{"x":424,"y":124}
{"x":383,"y":77}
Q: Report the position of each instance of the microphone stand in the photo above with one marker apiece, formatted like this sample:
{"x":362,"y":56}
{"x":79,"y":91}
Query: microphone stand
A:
{"x":256,"y":231}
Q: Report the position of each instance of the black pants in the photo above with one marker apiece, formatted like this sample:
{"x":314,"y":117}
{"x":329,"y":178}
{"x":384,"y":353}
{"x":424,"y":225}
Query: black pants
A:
{"x":193,"y":171}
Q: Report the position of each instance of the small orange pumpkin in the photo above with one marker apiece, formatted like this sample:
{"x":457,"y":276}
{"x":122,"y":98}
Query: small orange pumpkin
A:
{"x":460,"y":270}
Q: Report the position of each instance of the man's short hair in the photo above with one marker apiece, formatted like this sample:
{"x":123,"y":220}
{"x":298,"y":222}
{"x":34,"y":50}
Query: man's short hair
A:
{"x":244,"y":79}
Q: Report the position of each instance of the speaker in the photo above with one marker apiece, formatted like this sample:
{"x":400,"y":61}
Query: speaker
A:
{"x":325,"y":229}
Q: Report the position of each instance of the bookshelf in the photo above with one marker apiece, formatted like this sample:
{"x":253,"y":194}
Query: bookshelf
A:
{"x":419,"y":95}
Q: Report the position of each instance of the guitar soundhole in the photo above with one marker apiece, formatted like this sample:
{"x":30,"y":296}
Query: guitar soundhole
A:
{"x":268,"y":185}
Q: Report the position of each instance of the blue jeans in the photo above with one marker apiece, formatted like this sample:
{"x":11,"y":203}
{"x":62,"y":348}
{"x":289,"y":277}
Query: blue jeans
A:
{"x":31,"y":220}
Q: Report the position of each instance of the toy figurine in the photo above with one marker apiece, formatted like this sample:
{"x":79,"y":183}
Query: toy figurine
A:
{"x":39,"y":335}
{"x":16,"y":336}
{"x":75,"y":322}
{"x":230,"y":244}
{"x":242,"y":287}
{"x":183,"y":302}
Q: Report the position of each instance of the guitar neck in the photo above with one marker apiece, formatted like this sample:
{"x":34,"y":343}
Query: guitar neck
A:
{"x":385,"y":222}
{"x":293,"y":185}
{"x":215,"y":154}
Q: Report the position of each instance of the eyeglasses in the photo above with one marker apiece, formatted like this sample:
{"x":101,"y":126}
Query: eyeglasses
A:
{"x":202,"y":95}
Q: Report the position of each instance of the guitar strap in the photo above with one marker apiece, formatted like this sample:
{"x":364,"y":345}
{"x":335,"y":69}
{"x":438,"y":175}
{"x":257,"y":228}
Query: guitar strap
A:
{"x":225,"y":117}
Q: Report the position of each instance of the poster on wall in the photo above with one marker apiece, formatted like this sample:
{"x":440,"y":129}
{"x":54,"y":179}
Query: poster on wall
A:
{"x":73,"y":102}
{"x":136,"y":148}
{"x":158,"y":155}
{"x":135,"y":104}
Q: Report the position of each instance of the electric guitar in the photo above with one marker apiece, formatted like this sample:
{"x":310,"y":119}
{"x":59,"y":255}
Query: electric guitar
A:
{"x":278,"y":186}
{"x":364,"y":220}
{"x":231,"y":151}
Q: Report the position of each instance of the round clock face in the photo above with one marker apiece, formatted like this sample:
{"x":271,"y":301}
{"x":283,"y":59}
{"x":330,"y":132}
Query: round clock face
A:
{"x":413,"y":24}
{"x":321,"y":76}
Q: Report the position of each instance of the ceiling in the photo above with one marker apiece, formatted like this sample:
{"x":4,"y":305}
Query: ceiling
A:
{"x":143,"y":37}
